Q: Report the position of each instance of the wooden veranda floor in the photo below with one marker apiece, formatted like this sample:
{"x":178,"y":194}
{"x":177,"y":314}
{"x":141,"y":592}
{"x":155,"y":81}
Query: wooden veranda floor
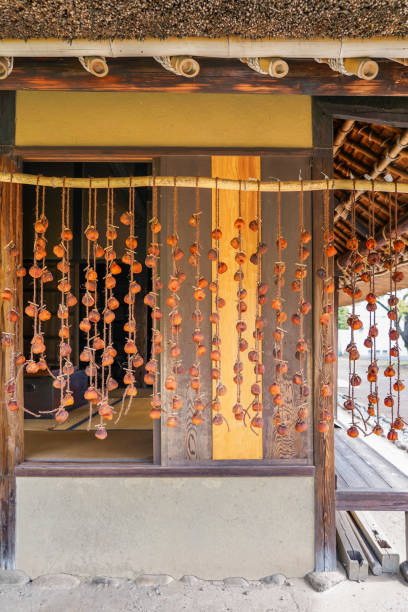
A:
{"x":364,"y":479}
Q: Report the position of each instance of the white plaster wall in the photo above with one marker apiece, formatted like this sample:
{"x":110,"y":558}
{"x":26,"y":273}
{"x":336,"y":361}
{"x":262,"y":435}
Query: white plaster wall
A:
{"x":210,"y":527}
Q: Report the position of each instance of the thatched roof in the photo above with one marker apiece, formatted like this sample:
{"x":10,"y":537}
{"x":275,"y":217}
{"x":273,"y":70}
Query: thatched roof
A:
{"x":138,"y":19}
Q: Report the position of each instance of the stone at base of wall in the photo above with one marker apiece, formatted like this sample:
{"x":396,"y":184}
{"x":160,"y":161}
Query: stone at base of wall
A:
{"x":57,"y":581}
{"x":322,"y":581}
{"x":404,"y":570}
{"x":13,"y":578}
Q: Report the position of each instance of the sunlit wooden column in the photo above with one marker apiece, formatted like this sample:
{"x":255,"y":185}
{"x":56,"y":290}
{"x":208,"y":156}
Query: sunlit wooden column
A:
{"x":239,"y":442}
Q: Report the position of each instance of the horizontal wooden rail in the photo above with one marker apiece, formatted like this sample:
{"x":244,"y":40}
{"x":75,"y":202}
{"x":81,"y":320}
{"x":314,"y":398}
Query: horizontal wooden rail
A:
{"x":116,"y":469}
{"x":202,"y":183}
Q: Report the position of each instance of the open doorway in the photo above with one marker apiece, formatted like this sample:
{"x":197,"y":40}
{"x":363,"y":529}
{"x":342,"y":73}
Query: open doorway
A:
{"x":372,"y":469}
{"x":131,"y":439}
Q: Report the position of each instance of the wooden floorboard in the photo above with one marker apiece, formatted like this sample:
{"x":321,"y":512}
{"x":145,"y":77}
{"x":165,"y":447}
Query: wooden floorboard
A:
{"x":389,"y":472}
{"x":360,"y":464}
{"x":353,"y":478}
{"x":365,"y":479}
{"x":371,"y":500}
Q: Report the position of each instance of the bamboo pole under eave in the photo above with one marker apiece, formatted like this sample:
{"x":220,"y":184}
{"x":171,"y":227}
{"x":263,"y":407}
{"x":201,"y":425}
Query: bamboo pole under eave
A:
{"x":204,"y":183}
{"x":342,"y":135}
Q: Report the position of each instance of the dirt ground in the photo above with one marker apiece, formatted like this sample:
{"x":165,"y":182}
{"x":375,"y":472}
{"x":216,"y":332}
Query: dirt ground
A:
{"x":382,"y":594}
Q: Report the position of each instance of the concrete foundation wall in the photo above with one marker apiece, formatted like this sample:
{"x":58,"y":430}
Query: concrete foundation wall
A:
{"x":210,"y":527}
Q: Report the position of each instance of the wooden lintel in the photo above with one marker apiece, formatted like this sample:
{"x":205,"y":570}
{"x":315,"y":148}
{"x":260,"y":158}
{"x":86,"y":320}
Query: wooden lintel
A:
{"x":216,"y":76}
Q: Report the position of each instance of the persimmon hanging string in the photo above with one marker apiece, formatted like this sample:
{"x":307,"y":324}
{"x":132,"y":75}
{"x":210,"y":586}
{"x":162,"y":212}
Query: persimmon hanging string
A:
{"x":216,"y":353}
{"x":198,"y":295}
{"x":276,"y":388}
{"x":398,"y":423}
{"x":259,"y":368}
{"x":327,"y":355}
{"x":238,"y":409}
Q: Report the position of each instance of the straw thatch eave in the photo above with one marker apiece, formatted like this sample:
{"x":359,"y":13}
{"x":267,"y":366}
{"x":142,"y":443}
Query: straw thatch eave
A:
{"x":139,"y":19}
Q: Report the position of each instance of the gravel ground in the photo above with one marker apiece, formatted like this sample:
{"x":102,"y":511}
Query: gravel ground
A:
{"x":382,"y":594}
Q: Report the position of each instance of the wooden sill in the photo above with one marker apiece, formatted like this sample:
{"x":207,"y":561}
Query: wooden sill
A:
{"x":73,"y":469}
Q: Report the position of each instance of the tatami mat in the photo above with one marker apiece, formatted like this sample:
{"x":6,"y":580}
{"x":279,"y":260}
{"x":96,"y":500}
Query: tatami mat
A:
{"x":137,"y":417}
{"x":120,"y":445}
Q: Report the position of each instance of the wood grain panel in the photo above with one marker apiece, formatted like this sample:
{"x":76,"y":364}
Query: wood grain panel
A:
{"x":325,"y":520}
{"x":216,"y":75}
{"x":293,"y":445}
{"x":239,"y":442}
{"x":11,"y":424}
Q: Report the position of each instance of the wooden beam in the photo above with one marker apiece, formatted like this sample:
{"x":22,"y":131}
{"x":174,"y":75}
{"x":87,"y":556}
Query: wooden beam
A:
{"x":219,"y":469}
{"x":380,"y":110}
{"x":216,"y":76}
{"x":7,"y":117}
{"x":372,"y":500}
{"x":325,"y":506}
{"x":143,"y":154}
{"x":11,"y":423}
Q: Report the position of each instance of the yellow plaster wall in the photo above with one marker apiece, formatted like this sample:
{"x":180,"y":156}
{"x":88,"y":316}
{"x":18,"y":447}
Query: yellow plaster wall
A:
{"x":57,"y":118}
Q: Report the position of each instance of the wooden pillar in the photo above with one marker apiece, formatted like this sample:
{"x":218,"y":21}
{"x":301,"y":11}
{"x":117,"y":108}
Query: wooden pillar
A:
{"x":11,"y":424}
{"x":325,"y":506}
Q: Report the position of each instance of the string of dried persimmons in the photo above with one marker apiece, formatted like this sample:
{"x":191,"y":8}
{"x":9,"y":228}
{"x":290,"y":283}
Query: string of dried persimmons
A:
{"x":10,"y":335}
{"x":101,"y":304}
{"x":327,"y":356}
{"x":198,"y":296}
{"x":281,"y":366}
{"x":260,"y":321}
{"x":304,"y":307}
{"x":219,"y":389}
{"x":364,"y":269}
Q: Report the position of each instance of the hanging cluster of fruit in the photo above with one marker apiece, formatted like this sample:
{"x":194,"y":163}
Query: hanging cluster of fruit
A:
{"x":393,"y":372}
{"x":281,"y":366}
{"x":256,"y":356}
{"x":304,"y":307}
{"x":365,"y":270}
{"x":176,"y":279}
{"x":198,"y":295}
{"x":241,"y":326}
{"x":214,"y":255}
{"x":355,"y":323}
{"x":10,"y":335}
{"x":327,"y":355}
{"x":36,"y":309}
{"x":152,"y":300}
{"x":134,"y":359}
{"x":101,"y":304}
{"x":89,"y":324}
{"x":373,"y":260}
{"x":67,"y":300}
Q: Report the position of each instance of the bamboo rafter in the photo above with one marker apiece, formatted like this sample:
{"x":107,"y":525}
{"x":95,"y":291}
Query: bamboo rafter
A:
{"x":204,"y":183}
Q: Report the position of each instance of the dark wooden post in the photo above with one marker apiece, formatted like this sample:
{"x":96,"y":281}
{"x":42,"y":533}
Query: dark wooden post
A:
{"x":11,"y":424}
{"x":325,"y":506}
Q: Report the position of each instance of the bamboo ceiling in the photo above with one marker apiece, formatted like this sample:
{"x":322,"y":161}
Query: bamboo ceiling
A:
{"x":363,"y":151}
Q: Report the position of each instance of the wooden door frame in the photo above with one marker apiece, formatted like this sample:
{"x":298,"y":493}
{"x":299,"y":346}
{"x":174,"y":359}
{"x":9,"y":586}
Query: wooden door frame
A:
{"x":387,"y":111}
